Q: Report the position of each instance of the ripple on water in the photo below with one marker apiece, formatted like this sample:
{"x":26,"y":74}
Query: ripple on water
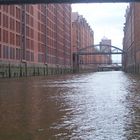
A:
{"x":95,"y":106}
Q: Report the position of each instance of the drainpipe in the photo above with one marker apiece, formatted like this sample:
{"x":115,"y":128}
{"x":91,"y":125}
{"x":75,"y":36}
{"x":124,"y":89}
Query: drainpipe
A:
{"x":23,"y":38}
{"x":46,"y":47}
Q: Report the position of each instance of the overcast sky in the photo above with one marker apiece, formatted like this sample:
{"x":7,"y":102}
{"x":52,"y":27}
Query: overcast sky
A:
{"x":106,"y":19}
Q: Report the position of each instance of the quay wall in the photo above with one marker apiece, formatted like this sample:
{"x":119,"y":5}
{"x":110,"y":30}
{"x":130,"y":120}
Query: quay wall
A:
{"x":9,"y":70}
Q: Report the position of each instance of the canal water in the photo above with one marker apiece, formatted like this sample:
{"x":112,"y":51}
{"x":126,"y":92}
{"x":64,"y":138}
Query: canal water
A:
{"x":93,"y":106}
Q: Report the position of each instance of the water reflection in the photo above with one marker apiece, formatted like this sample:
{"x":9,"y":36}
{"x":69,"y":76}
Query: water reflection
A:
{"x":99,"y":106}
{"x":132,"y":128}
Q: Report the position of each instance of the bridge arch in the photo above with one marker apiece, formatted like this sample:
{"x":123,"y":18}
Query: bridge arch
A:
{"x":100,"y":49}
{"x":93,"y":50}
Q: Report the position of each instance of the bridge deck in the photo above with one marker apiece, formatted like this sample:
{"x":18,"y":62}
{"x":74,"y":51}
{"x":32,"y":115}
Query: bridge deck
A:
{"x":61,"y":1}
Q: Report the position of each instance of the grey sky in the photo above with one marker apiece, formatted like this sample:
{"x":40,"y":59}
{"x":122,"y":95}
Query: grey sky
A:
{"x":106,"y":19}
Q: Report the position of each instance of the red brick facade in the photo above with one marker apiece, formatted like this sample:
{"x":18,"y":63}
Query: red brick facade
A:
{"x":36,"y":34}
{"x":59,"y":34}
{"x":10,"y":33}
{"x":131,"y":40}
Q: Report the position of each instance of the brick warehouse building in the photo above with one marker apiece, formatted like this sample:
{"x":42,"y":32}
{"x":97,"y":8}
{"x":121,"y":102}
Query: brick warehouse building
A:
{"x":131,"y":40}
{"x":82,"y":36}
{"x":35,"y":39}
{"x":59,"y":35}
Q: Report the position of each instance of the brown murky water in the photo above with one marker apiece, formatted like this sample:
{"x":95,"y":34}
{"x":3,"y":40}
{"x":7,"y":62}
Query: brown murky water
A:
{"x":95,"y":106}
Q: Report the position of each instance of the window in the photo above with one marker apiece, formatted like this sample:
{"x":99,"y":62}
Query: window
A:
{"x":12,"y":24}
{"x":5,"y":52}
{"x":0,"y":34}
{"x":17,"y":54}
{"x":5,"y":21}
{"x":27,"y":43}
{"x":18,"y":26}
{"x":38,"y":16}
{"x":12,"y":53}
{"x":31,"y":21}
{"x":32,"y":56}
{"x":27,"y":8}
{"x":0,"y":19}
{"x":27,"y":55}
{"x":39,"y":26}
{"x":27,"y":19}
{"x":27,"y":31}
{"x":5,"y":36}
{"x":12,"y":38}
{"x":43,"y":29}
{"x":43,"y":8}
{"x":17,"y":13}
{"x":39,"y":37}
{"x":12,"y":10}
{"x":32,"y":44}
{"x":31,"y":33}
{"x":18,"y":40}
{"x":5,"y":8}
{"x":31,"y":9}
{"x":40,"y":57}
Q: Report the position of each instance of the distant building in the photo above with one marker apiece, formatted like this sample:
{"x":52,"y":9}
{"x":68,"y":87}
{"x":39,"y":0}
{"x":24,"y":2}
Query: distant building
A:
{"x":82,"y":36}
{"x":106,"y":41}
{"x":106,"y":58}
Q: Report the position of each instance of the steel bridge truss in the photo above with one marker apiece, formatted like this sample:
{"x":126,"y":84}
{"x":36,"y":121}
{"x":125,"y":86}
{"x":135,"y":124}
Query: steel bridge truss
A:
{"x":100,"y":49}
{"x":87,"y":55}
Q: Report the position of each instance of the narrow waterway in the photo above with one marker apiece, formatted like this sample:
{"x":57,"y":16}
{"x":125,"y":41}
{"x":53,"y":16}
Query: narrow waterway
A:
{"x":95,"y":106}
